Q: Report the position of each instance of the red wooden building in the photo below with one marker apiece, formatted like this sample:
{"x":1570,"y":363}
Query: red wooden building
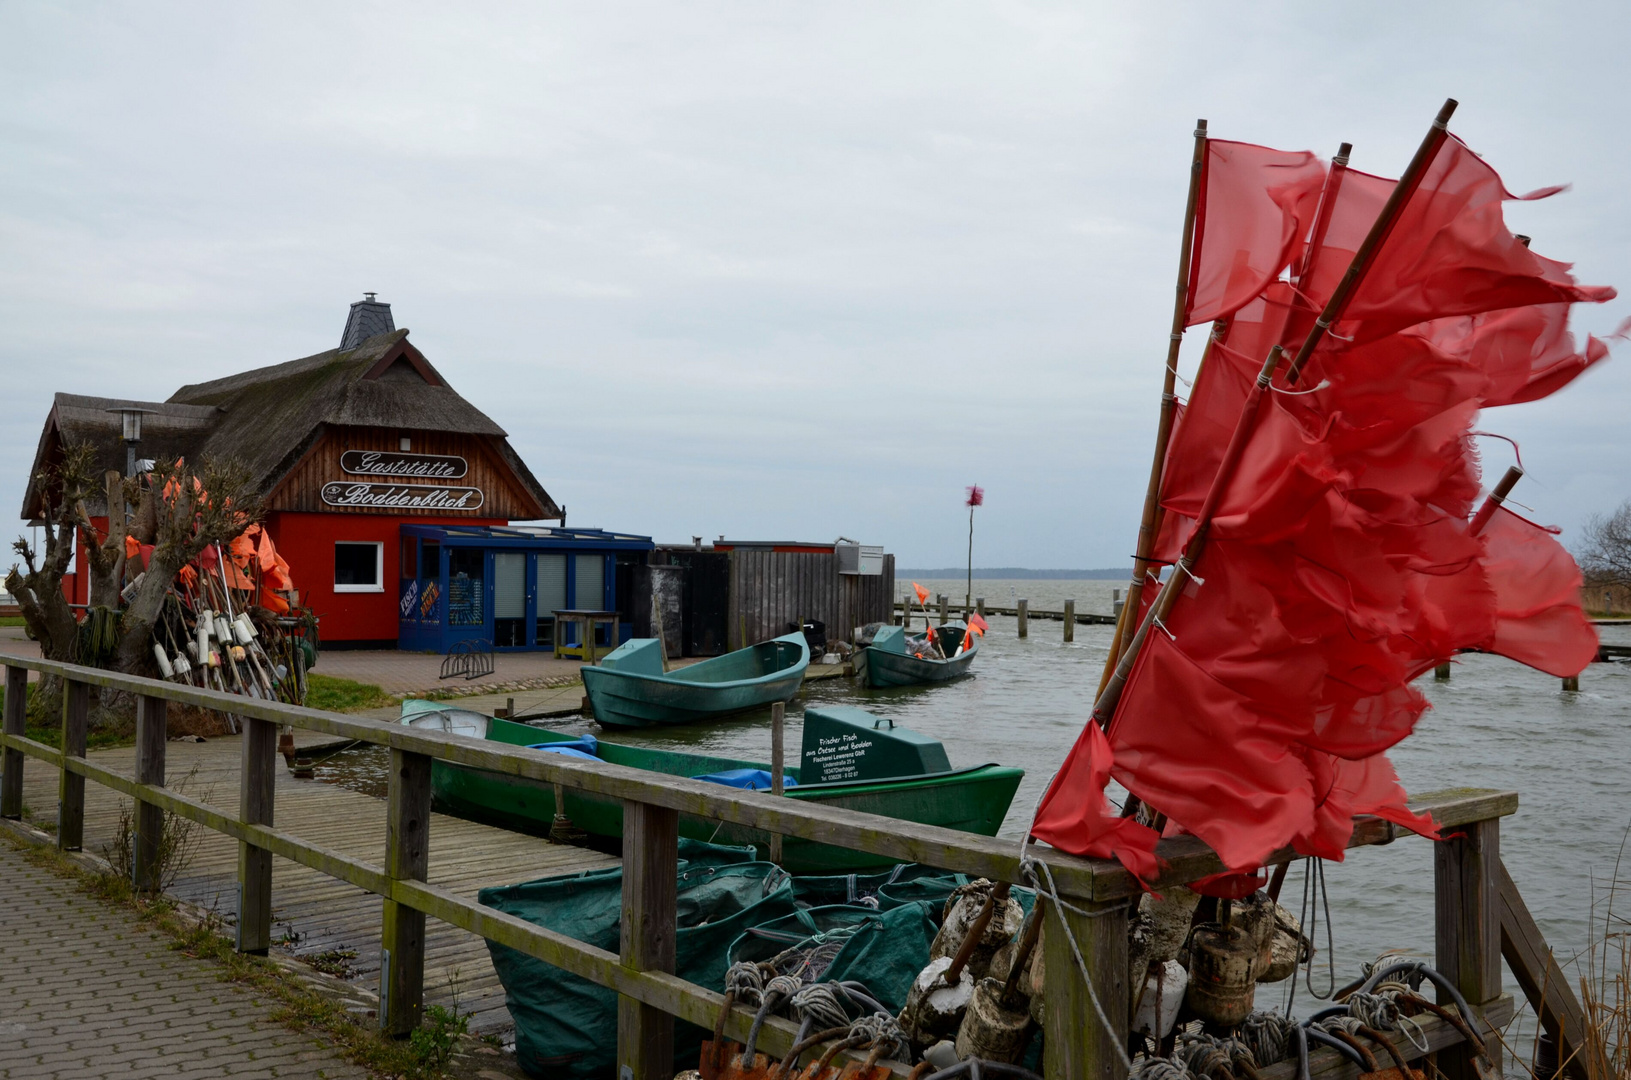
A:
{"x":345,"y":446}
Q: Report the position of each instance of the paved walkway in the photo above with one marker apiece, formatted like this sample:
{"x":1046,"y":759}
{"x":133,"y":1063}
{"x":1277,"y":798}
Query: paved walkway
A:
{"x":86,"y":992}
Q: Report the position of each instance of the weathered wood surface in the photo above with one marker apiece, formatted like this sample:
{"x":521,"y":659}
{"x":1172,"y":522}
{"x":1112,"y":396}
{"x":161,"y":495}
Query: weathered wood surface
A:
{"x":1077,"y":1045}
{"x":257,"y":787}
{"x":407,"y":858}
{"x":1467,"y":928}
{"x":1326,"y":1064}
{"x":12,"y":720}
{"x":314,"y":914}
{"x":770,"y":589}
{"x":645,"y":1035}
{"x":1545,"y":984}
{"x":76,"y":707}
{"x":147,"y":828}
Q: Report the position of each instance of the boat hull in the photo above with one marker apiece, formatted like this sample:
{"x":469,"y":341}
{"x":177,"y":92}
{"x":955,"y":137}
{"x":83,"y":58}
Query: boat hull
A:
{"x":634,"y":699}
{"x":971,"y":800}
{"x":883,"y":667}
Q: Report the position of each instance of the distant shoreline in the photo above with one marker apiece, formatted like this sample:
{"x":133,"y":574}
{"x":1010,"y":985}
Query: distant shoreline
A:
{"x":1017,"y":573}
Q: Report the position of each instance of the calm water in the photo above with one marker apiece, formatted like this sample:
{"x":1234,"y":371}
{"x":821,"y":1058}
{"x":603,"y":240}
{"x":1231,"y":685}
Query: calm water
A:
{"x":1495,"y":724}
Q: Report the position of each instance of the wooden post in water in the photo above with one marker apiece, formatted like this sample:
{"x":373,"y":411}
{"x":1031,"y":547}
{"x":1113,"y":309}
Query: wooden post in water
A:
{"x":1467,"y":938}
{"x":16,"y":709}
{"x":147,"y":835}
{"x":778,"y":750}
{"x":256,"y":782}
{"x":407,"y":858}
{"x":1441,"y":673}
{"x":1023,"y":611}
{"x":76,"y":707}
{"x":1070,"y":620}
{"x":1572,"y":683}
{"x":945,"y":610}
{"x":979,"y":606}
{"x":645,"y":1034}
{"x":1076,"y":1042}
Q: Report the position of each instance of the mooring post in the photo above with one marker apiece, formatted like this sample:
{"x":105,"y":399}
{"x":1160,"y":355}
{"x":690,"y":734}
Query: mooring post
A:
{"x":147,"y":840}
{"x":778,"y":752}
{"x":645,"y":1034}
{"x":11,"y":762}
{"x":945,"y":610}
{"x":1572,"y":683}
{"x":256,"y":782}
{"x":1467,"y":937}
{"x":76,"y":707}
{"x":407,"y":858}
{"x":1441,"y":673}
{"x":1023,"y":610}
{"x":1076,"y":1042}
{"x":1116,"y":602}
{"x":979,"y":606}
{"x":1070,"y":620}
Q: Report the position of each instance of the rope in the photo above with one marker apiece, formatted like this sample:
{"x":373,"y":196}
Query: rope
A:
{"x":819,"y":1004}
{"x":1207,"y":1055}
{"x":745,"y":983}
{"x":1299,"y":393}
{"x":776,"y":991}
{"x":1267,"y":1036}
{"x":1158,"y":1068}
{"x":879,"y":1029}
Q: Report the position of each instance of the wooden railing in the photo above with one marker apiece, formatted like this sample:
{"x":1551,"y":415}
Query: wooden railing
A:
{"x":1471,"y":903}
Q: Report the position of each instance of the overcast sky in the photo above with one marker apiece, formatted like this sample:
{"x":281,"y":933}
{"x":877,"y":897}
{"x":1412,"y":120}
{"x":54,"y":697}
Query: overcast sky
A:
{"x":769,"y":270}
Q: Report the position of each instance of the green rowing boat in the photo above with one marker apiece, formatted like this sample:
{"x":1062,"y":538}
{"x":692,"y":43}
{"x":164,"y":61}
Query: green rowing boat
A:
{"x":850,"y":758}
{"x":897,"y":659}
{"x":630,"y":689}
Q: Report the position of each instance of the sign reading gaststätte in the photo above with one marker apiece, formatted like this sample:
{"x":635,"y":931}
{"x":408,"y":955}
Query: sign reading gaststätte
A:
{"x":387,"y":463}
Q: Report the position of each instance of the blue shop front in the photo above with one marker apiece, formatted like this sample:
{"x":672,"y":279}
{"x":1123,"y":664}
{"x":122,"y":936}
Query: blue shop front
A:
{"x":503,"y":584}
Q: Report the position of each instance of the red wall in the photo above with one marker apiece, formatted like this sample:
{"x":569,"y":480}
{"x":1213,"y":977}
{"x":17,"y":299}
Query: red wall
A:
{"x":307,"y":541}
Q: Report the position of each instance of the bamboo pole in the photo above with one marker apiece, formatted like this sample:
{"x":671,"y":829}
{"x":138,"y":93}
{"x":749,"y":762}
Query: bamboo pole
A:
{"x":1169,"y":401}
{"x":1104,"y":708}
{"x":1379,"y":232}
{"x":1496,"y":498}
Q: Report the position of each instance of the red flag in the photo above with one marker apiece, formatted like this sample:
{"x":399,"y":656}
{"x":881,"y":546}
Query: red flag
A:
{"x":1539,"y":620}
{"x":1074,"y":815}
{"x":1254,"y":210}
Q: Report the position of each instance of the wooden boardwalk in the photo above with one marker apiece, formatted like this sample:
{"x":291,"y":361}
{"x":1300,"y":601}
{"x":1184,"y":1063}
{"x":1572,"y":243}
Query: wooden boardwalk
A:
{"x":314,"y":914}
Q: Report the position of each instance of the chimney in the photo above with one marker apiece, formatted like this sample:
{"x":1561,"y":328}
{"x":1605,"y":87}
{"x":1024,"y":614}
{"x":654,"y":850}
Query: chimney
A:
{"x":368,"y":317}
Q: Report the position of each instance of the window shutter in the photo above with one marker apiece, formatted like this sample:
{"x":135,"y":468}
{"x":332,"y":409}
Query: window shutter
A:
{"x":551,"y":584}
{"x":509,"y":585}
{"x":590,"y":575}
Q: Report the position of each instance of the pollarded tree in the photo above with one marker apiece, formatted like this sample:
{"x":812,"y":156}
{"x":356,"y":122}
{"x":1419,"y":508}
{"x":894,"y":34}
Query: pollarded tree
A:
{"x":180,"y":512}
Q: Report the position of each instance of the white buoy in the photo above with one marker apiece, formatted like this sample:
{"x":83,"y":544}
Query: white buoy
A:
{"x":223,"y":630}
{"x":163,"y":659}
{"x":243,"y":628}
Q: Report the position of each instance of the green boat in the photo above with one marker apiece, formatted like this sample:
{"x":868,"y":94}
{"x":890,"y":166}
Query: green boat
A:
{"x":850,"y":758}
{"x":630,"y":689}
{"x":893,"y":658}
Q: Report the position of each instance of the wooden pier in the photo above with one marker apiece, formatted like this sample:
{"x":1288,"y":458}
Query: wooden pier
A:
{"x":947,"y":610}
{"x":314,"y":916}
{"x":432,"y":865}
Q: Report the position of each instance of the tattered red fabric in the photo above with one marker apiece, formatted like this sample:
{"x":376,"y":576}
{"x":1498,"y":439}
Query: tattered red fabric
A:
{"x":1075,"y":816}
{"x":1539,"y":620}
{"x":1253,"y":213}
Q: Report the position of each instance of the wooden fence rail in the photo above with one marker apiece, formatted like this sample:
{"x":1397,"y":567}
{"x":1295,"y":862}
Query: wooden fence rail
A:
{"x":1098,"y":893}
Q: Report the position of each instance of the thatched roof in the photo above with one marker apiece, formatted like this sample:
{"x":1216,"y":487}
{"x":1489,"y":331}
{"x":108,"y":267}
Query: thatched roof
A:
{"x":270,"y":417}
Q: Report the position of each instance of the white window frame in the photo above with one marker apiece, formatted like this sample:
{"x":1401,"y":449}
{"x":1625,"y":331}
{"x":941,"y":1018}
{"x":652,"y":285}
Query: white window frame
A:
{"x":379,"y":567}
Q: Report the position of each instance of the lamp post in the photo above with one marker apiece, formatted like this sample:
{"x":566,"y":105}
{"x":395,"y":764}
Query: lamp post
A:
{"x":131,"y":423}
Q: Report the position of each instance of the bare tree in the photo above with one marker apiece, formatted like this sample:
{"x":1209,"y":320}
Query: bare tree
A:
{"x":179,"y":510}
{"x":1605,"y":549}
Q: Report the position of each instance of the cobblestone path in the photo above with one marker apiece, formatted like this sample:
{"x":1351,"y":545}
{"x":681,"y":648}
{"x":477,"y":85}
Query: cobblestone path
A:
{"x":87,"y":992}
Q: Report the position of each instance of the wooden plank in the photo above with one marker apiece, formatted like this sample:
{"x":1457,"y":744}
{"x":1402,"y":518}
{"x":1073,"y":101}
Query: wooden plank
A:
{"x":148,"y":823}
{"x":1077,"y":1044}
{"x":1326,"y":1064}
{"x":256,"y":800}
{"x":645,"y":1034}
{"x":1545,"y":985}
{"x":76,"y":707}
{"x":1467,"y":929}
{"x":407,"y":858}
{"x":13,"y":723}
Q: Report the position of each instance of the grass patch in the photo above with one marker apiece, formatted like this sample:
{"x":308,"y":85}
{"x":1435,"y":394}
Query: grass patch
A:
{"x":12,"y":620}
{"x":343,"y":695}
{"x":298,"y":1007}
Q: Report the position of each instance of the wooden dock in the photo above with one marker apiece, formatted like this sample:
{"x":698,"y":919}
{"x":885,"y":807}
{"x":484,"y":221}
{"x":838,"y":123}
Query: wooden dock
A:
{"x":313,"y":914}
